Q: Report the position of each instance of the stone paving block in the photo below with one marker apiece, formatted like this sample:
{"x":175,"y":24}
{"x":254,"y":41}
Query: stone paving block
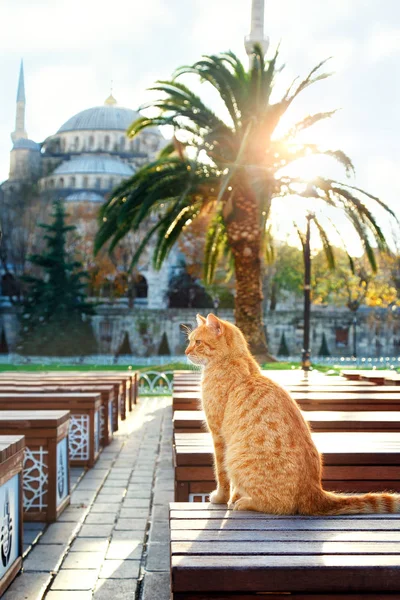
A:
{"x":29,"y":538}
{"x":159,"y":531}
{"x":134,"y":513}
{"x":119,"y":569}
{"x":109,"y":497}
{"x":90,"y":545}
{"x":136,"y":502}
{"x":102,"y":507}
{"x":127,"y":535}
{"x":28,"y":586}
{"x":120,"y":470}
{"x":142,"y":479}
{"x":163,"y":486}
{"x":69,"y":595}
{"x":44,"y":557}
{"x":138,"y":493}
{"x":118,"y":478}
{"x":158,"y":558}
{"x":100,"y":531}
{"x":125,"y":549}
{"x":131,"y":524}
{"x":75,"y":579}
{"x":112,"y":488}
{"x":83,"y":560}
{"x":115,"y":589}
{"x":156,"y":586}
{"x":83,"y":497}
{"x":163,"y":498}
{"x":59,"y":533}
{"x":159,"y":513}
{"x":89,"y":485}
{"x":100,"y":518}
{"x":72,"y":514}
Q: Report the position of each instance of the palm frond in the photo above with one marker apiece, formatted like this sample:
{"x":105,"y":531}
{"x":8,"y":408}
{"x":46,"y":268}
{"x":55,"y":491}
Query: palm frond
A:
{"x":215,"y":243}
{"x":311,"y":78}
{"x":329,"y":253}
{"x":308,"y":121}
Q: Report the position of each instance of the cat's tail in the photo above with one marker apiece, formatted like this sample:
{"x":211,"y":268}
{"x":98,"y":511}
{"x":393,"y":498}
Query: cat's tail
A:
{"x":328,"y":503}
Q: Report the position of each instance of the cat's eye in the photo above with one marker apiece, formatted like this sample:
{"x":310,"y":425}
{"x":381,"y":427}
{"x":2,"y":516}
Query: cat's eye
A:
{"x":197,"y":342}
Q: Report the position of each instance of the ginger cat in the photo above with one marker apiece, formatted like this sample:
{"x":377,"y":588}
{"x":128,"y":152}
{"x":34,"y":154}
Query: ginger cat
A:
{"x":265,"y":458}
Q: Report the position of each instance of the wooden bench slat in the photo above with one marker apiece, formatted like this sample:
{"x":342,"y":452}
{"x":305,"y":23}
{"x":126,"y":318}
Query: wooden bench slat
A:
{"x":294,"y":547}
{"x":295,"y":523}
{"x":181,"y":535}
{"x":330,"y":573}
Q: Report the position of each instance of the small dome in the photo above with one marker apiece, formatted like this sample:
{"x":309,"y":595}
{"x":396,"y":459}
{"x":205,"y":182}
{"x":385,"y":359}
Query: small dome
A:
{"x":107,"y":117}
{"x":84,"y":197}
{"x":25,"y":144}
{"x":100,"y":165}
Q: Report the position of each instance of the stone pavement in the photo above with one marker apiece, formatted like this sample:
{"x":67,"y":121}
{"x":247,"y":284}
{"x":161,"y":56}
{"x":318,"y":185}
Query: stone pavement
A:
{"x":112,"y":543}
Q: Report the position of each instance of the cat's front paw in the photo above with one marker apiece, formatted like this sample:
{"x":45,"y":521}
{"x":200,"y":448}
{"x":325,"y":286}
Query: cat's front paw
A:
{"x":219,"y":497}
{"x":235,"y":496}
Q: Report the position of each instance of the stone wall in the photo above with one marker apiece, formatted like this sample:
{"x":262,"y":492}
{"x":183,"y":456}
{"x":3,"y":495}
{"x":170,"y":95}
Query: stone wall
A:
{"x":377,"y":332}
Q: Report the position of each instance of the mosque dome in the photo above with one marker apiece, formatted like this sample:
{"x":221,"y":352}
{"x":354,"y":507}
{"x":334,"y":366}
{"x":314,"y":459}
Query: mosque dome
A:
{"x":108,"y":117}
{"x":25,"y":144}
{"x":94,"y":164}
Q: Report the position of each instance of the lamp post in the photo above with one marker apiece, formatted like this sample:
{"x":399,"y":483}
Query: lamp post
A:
{"x":306,"y":353}
{"x":355,"y":337}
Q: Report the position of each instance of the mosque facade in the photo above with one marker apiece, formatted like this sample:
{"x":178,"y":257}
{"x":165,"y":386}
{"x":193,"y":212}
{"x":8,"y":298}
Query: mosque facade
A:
{"x":81,"y":163}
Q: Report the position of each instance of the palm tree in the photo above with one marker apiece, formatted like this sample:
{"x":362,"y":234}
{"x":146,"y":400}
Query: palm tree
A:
{"x":230,"y":168}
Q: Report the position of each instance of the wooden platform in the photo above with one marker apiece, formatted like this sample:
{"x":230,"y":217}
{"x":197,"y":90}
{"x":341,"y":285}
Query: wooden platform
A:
{"x":227,"y":555}
{"x":353,"y":462}
{"x":126,"y":381}
{"x":12,"y":449}
{"x":109,"y":411}
{"x":192,"y":421}
{"x":84,"y":433}
{"x":46,"y":465}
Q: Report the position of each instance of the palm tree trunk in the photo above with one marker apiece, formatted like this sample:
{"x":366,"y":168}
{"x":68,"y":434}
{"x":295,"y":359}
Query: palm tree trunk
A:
{"x":245,"y":241}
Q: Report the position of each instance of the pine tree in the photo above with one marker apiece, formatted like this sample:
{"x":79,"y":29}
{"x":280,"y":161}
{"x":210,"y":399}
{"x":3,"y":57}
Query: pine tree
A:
{"x":283,"y":347}
{"x":125,"y":348}
{"x":324,"y":350}
{"x":163,"y":349}
{"x":54,"y":319}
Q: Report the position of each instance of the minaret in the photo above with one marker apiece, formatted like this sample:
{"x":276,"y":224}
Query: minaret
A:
{"x":256,"y":35}
{"x":20,"y":132}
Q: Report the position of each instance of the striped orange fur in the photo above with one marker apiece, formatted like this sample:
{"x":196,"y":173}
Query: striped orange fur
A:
{"x":265,"y":458}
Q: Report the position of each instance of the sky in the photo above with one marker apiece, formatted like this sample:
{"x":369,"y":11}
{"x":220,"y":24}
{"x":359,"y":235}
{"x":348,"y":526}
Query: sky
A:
{"x":72,"y":51}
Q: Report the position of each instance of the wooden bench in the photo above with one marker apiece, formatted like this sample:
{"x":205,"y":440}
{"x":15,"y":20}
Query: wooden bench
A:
{"x":84,"y":432}
{"x":125,"y":384}
{"x":192,"y":421}
{"x":73,"y":384}
{"x":371,"y":375}
{"x":311,"y":400}
{"x":12,"y":448}
{"x":218,"y":554}
{"x":46,"y":464}
{"x":353,"y":462}
{"x":392,"y":379}
{"x":109,"y":402}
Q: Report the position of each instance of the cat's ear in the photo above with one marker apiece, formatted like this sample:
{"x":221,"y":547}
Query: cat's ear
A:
{"x":215,"y":324}
{"x":200,"y":320}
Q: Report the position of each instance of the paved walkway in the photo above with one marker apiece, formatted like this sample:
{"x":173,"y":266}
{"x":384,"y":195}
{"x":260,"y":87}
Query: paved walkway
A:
{"x":112,"y":542}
